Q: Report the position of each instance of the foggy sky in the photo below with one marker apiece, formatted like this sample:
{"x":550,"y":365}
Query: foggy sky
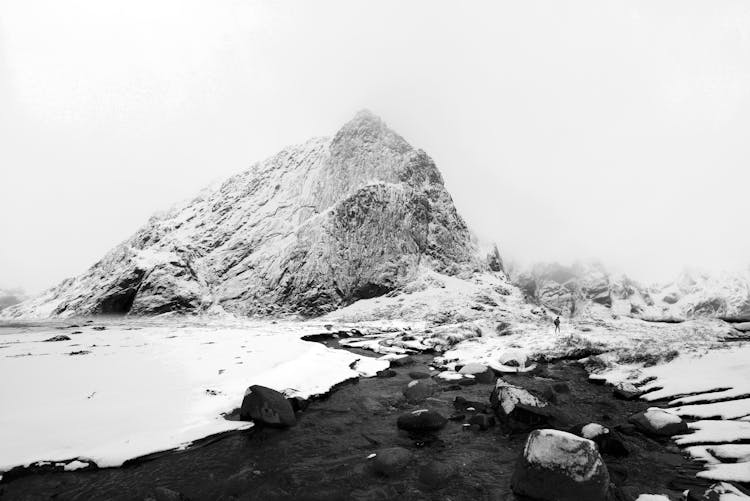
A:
{"x":564,"y":130}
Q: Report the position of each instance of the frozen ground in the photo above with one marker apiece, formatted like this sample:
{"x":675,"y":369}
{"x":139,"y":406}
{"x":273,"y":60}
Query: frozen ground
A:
{"x":141,"y":387}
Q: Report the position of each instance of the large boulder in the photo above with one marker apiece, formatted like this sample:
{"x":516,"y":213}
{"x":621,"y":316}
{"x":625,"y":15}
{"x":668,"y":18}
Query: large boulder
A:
{"x":512,"y":361}
{"x":659,"y":422}
{"x":267,"y":406}
{"x":559,"y":466}
{"x":516,"y":406}
{"x":608,"y":441}
{"x":421,"y":420}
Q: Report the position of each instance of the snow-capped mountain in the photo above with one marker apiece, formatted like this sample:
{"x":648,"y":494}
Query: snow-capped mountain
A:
{"x":10,"y":297}
{"x":313,"y":228}
{"x":575,"y":289}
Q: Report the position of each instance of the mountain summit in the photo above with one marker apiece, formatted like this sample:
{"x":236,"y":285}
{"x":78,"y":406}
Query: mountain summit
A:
{"x":313,"y":228}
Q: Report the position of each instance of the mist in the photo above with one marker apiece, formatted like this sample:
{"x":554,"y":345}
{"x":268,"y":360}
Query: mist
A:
{"x":615,"y":131}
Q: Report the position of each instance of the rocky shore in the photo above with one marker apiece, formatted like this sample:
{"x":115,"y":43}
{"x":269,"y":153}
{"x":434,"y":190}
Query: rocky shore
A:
{"x":417,"y":432}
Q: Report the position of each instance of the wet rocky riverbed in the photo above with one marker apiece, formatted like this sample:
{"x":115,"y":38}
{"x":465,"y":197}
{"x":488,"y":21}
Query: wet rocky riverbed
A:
{"x":326,"y":456}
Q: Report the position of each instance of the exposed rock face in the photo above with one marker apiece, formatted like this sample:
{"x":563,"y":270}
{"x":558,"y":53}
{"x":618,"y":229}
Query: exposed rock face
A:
{"x":314,"y":228}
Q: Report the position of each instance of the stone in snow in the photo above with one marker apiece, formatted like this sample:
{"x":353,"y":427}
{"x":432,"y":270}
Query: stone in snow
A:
{"x":482,"y":373}
{"x":559,"y":466}
{"x":659,"y":422}
{"x":626,"y":391}
{"x":267,"y":406}
{"x":720,"y":491}
{"x":59,"y":337}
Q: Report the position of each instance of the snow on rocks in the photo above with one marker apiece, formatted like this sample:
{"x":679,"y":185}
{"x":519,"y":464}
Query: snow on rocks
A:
{"x":659,"y":422}
{"x":559,"y":466}
{"x":508,"y":397}
{"x":652,"y":497}
{"x":721,"y":491}
{"x":512,"y":361}
{"x":480,"y":372}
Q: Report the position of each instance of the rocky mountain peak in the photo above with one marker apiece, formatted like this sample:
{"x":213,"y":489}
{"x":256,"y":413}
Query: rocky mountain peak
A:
{"x":313,"y":228}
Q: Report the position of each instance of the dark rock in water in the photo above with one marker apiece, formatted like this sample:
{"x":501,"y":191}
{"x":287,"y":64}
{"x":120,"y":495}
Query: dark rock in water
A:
{"x":457,"y":416}
{"x":386,"y":373}
{"x":60,"y":337}
{"x":421,"y":420}
{"x":608,"y":441}
{"x":435,"y":475}
{"x":482,"y":374}
{"x":419,"y":389}
{"x":391,"y":462}
{"x":483,"y":421}
{"x":467,"y":382}
{"x":626,"y":391}
{"x":402,"y":362}
{"x":164,"y":494}
{"x":658,"y":422}
{"x":419,"y":375}
{"x":559,"y":466}
{"x":518,"y":408}
{"x":560,"y":387}
{"x":267,"y":406}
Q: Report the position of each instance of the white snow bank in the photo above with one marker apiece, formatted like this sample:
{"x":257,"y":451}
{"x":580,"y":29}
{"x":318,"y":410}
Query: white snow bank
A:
{"x":143,"y":388}
{"x":652,"y":497}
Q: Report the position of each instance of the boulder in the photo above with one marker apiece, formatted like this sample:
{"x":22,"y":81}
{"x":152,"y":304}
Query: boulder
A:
{"x":421,"y":420}
{"x":59,"y":337}
{"x":402,"y":361}
{"x":559,"y":466}
{"x":608,"y":441}
{"x":391,"y":461}
{"x":514,"y":405}
{"x":419,"y":389}
{"x":386,"y":373}
{"x":659,"y":422}
{"x":482,"y":374}
{"x":626,"y":391}
{"x":512,"y":361}
{"x":419,"y":375}
{"x":267,"y":406}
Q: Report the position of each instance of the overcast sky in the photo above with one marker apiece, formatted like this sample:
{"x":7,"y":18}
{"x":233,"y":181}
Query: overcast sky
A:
{"x":580,"y":129}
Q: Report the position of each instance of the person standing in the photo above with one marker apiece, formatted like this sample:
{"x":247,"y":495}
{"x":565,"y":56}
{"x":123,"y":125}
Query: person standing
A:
{"x":557,"y":324}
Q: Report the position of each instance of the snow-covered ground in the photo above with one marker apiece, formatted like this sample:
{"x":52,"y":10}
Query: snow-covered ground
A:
{"x":146,"y":386}
{"x":714,"y":389}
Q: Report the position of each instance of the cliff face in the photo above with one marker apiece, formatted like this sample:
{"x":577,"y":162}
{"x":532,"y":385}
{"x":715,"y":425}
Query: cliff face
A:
{"x":313,"y":228}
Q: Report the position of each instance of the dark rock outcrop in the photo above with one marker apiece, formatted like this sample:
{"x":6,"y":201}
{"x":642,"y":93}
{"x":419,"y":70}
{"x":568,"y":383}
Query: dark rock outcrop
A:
{"x":268,"y":407}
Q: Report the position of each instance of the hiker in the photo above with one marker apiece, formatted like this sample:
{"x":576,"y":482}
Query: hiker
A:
{"x":557,"y":324}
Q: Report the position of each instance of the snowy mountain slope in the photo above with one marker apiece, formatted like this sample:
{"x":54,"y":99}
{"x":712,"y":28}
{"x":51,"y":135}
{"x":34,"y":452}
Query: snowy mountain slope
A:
{"x":576,"y":290}
{"x":9,"y":297}
{"x":316,"y":227}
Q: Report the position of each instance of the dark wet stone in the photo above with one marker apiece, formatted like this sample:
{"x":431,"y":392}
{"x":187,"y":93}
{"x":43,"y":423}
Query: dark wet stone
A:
{"x":482,"y":374}
{"x":461,"y":404}
{"x":467,"y":382}
{"x":61,"y":337}
{"x":419,"y":375}
{"x":560,"y":387}
{"x":267,"y":406}
{"x":421,"y":420}
{"x":626,"y":391}
{"x":642,"y":421}
{"x":420,"y":389}
{"x":386,"y":373}
{"x":391,"y":462}
{"x":402,"y":362}
{"x":99,"y":328}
